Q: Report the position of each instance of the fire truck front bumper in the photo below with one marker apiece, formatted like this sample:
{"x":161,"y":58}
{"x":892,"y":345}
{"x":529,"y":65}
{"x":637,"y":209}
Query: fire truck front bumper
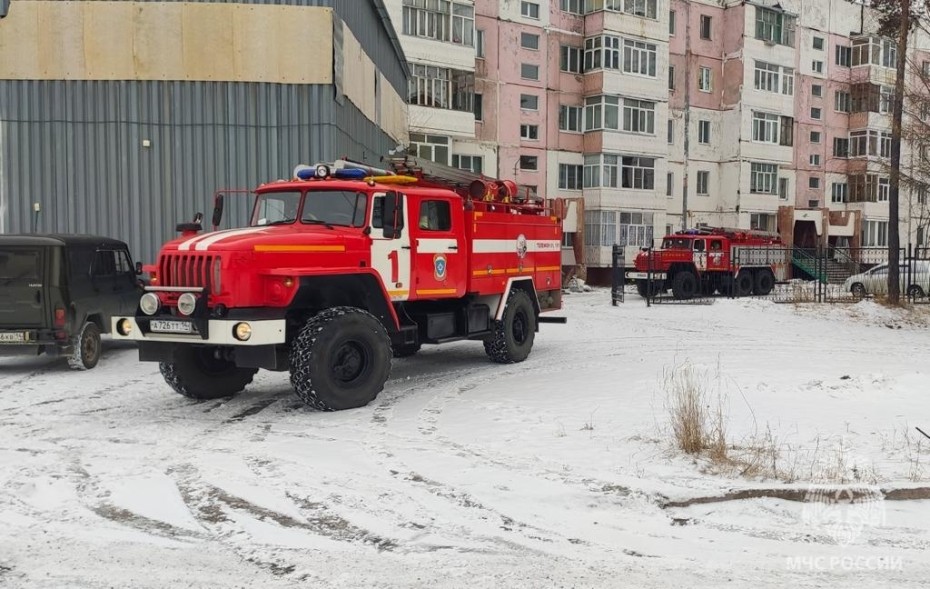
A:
{"x":211,"y":332}
{"x":646,"y":275}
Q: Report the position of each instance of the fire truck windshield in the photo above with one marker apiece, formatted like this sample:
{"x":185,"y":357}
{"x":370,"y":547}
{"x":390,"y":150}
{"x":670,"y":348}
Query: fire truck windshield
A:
{"x":677,"y":243}
{"x":325,"y":207}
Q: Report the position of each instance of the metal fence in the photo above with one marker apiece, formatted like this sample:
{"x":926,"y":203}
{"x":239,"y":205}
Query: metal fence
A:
{"x":785,"y":274}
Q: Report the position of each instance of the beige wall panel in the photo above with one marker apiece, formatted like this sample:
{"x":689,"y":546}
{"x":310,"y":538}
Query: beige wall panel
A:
{"x":358,"y":77}
{"x":207,"y":40}
{"x":157,"y":39}
{"x":107,"y":39}
{"x":63,"y":58}
{"x":19,"y":53}
{"x":394,"y":114}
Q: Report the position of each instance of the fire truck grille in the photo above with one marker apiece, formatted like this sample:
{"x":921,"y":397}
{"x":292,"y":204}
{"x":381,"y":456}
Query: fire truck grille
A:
{"x":187,"y":270}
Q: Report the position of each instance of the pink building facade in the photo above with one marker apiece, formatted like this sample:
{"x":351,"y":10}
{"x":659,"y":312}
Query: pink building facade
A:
{"x":663,"y":114}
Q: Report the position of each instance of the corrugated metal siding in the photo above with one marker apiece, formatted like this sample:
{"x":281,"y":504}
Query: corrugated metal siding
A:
{"x":76,"y":147}
{"x":362,"y":19}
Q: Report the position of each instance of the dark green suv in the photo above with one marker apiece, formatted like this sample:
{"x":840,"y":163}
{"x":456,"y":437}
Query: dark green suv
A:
{"x":58,"y":292}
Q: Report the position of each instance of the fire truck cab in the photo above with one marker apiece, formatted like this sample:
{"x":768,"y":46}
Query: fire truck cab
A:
{"x":342,"y":268}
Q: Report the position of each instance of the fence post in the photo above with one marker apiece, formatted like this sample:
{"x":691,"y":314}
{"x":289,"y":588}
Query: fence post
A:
{"x":617,"y":264}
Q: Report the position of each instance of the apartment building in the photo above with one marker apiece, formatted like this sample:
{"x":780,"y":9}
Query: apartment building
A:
{"x":663,"y":114}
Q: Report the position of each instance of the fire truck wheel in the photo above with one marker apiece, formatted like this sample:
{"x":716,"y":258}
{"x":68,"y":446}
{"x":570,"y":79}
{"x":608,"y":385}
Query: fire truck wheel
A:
{"x":405,"y":351}
{"x":87,"y":348}
{"x":743,"y":284}
{"x":340,"y":359}
{"x":514,"y":333}
{"x":197,"y":373}
{"x":764,"y":283}
{"x":642,"y":287}
{"x":684,"y":285}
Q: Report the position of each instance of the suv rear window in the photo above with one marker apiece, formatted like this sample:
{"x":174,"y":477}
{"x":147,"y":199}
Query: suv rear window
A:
{"x":19,"y":267}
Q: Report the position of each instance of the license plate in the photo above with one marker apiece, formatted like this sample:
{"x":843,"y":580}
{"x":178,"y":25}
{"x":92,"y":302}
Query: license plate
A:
{"x":13,"y":337}
{"x":166,"y":326}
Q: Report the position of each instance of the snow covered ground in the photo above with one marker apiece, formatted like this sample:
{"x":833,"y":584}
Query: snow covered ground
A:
{"x":558,"y":472}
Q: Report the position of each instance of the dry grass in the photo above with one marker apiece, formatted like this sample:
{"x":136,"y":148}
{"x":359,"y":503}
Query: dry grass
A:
{"x":698,"y":418}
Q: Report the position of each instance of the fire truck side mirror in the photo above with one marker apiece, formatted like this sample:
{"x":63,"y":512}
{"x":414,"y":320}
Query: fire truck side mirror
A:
{"x":217,"y":211}
{"x":393,"y":215}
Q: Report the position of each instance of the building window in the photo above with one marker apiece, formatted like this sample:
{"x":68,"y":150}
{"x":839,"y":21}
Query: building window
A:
{"x":529,"y":132}
{"x":635,"y":229}
{"x":442,"y":21}
{"x":885,"y":99}
{"x":765,"y":127}
{"x":439,"y":87}
{"x":818,"y":43}
{"x":774,"y":27}
{"x":868,"y":188}
{"x":704,"y":131}
{"x":884,"y":189}
{"x":762,"y":221}
{"x":639,"y":116}
{"x":815,"y":113}
{"x":874,"y":233}
{"x":639,"y":58}
{"x":643,"y":8}
{"x":637,"y":173}
{"x":572,"y":6}
{"x":874,"y":51}
{"x":839,"y":192}
{"x":529,"y":162}
{"x":570,"y":59}
{"x":870,"y":143}
{"x":769,"y":77}
{"x":473,"y":163}
{"x":671,"y":78}
{"x":815,"y":136}
{"x":669,"y":183}
{"x":529,"y":102}
{"x":432,"y":147}
{"x":763,"y":178}
{"x":529,"y":71}
{"x":671,"y":131}
{"x":600,"y":228}
{"x":479,"y":107}
{"x":703,"y":182}
{"x":817,"y":90}
{"x":602,"y":52}
{"x":529,"y":10}
{"x":813,"y":182}
{"x":602,"y":112}
{"x":479,"y":44}
{"x":529,"y":41}
{"x":843,"y":56}
{"x":570,"y":118}
{"x":570,"y":177}
{"x":705,"y":26}
{"x":815,"y":160}
{"x":842,"y":101}
{"x":817,"y":66}
{"x":704,"y":79}
{"x":601,"y":170}
{"x":671,"y":23}
{"x":840,"y":147}
{"x":783,"y":188}
{"x":787,"y":81}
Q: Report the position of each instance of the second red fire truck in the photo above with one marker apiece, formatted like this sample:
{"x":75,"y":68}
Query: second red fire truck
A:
{"x":342,"y":267}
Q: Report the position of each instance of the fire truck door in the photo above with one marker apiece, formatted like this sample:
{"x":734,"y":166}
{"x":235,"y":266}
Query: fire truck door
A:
{"x":700,"y":255}
{"x":390,"y":258}
{"x":436,"y":229}
{"x":717,"y":258}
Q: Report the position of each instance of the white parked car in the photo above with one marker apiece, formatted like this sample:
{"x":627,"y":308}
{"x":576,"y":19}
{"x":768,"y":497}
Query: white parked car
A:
{"x":914,"y":282}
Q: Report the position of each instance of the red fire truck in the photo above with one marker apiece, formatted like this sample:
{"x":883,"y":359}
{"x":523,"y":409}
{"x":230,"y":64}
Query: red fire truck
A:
{"x":340,"y":268}
{"x":709,"y":259}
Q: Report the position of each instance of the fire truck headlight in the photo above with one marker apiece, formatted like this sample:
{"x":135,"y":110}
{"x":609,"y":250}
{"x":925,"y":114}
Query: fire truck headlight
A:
{"x":242,"y":331}
{"x":149,"y":303}
{"x":124,"y":327}
{"x":186,"y":303}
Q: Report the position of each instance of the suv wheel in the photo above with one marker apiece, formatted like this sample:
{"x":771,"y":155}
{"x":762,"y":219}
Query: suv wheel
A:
{"x":87,"y":348}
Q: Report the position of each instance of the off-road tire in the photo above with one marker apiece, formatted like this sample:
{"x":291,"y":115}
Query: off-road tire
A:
{"x":340,"y":359}
{"x":87,"y":348}
{"x":684,"y":285}
{"x":515,"y":332}
{"x":645,"y":291}
{"x":915,"y":292}
{"x":196,"y":374}
{"x":742,"y":284}
{"x":763,"y":283}
{"x":857,"y":290}
{"x":405,"y":350}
